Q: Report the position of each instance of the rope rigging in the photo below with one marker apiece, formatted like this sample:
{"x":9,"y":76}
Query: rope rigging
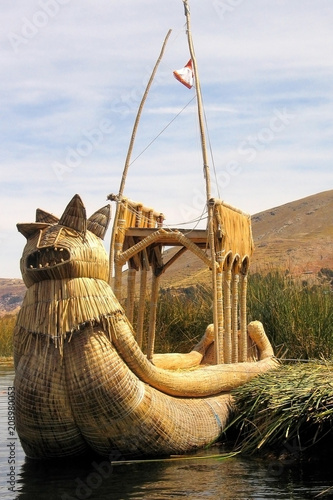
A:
{"x":163,"y":130}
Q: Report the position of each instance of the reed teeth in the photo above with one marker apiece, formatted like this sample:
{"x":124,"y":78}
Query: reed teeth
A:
{"x":47,"y":257}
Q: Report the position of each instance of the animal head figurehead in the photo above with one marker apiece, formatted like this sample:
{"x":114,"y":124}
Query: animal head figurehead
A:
{"x":69,"y":247}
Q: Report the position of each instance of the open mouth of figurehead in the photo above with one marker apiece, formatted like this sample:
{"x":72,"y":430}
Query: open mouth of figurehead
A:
{"x":47,"y":257}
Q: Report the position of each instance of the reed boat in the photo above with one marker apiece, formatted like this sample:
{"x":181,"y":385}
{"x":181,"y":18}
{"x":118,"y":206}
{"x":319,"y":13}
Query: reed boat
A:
{"x":87,"y":378}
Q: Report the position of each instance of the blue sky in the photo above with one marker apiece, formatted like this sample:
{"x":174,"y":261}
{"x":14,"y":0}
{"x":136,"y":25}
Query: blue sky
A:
{"x":73,"y":74}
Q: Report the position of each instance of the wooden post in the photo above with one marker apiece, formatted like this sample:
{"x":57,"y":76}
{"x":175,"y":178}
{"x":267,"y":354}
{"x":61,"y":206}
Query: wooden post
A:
{"x":220,"y":298}
{"x":117,"y":251}
{"x":235,"y":300}
{"x":141,"y":306}
{"x":243,"y":312}
{"x":129,"y":155}
{"x":210,"y":201}
{"x":227,"y":310}
{"x":131,"y":275}
{"x":152,"y":316}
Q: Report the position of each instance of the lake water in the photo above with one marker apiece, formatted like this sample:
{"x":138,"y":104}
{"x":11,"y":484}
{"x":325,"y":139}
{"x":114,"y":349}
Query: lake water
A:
{"x":196,"y":478}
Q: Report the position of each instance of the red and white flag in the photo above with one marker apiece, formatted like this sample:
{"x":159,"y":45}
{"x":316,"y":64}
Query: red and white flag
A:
{"x":185,"y":75}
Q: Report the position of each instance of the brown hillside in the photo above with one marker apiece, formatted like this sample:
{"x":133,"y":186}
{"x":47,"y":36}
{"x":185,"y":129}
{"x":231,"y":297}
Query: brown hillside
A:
{"x":297,"y":236}
{"x":11,"y":295}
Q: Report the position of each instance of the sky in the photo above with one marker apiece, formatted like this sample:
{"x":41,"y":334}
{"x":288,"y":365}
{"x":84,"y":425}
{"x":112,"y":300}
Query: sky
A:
{"x":73,"y":74}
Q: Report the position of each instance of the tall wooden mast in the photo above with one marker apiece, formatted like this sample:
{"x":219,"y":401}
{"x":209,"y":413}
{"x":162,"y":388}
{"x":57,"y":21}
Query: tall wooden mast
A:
{"x":209,"y":199}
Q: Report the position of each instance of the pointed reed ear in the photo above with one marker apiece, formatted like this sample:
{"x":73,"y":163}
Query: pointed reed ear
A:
{"x":99,"y":221}
{"x":30,"y":228}
{"x":74,"y":215}
{"x":42,"y":216}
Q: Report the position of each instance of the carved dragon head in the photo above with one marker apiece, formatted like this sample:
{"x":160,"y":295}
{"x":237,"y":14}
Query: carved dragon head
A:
{"x":69,"y":247}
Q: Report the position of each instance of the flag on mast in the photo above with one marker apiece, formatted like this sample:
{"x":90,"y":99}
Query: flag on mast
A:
{"x":185,"y":75}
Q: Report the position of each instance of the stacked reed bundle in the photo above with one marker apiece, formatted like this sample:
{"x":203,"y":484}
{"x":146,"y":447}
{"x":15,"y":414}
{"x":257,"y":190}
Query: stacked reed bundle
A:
{"x":286,"y":411}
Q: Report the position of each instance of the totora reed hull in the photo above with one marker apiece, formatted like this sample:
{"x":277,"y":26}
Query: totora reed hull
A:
{"x":82,"y":382}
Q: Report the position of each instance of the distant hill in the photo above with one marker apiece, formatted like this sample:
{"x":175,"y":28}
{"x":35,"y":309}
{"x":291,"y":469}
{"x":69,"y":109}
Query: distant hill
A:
{"x":297,"y":237}
{"x":11,"y":295}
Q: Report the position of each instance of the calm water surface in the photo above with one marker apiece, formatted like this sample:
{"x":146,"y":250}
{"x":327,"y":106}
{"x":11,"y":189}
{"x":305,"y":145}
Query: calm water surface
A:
{"x":211,"y":478}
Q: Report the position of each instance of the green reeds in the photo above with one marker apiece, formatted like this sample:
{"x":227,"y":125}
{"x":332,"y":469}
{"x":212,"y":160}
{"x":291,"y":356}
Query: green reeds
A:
{"x":287,"y":411}
{"x":7,"y":324}
{"x":297,"y":317}
{"x":183,"y":321}
{"x":182,"y":318}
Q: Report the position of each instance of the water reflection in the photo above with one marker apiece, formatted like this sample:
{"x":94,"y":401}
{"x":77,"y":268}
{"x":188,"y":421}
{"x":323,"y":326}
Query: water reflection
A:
{"x":211,"y":478}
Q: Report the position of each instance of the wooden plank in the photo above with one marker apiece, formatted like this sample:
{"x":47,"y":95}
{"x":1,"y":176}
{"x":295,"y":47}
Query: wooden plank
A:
{"x":135,"y":261}
{"x":198,"y":236}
